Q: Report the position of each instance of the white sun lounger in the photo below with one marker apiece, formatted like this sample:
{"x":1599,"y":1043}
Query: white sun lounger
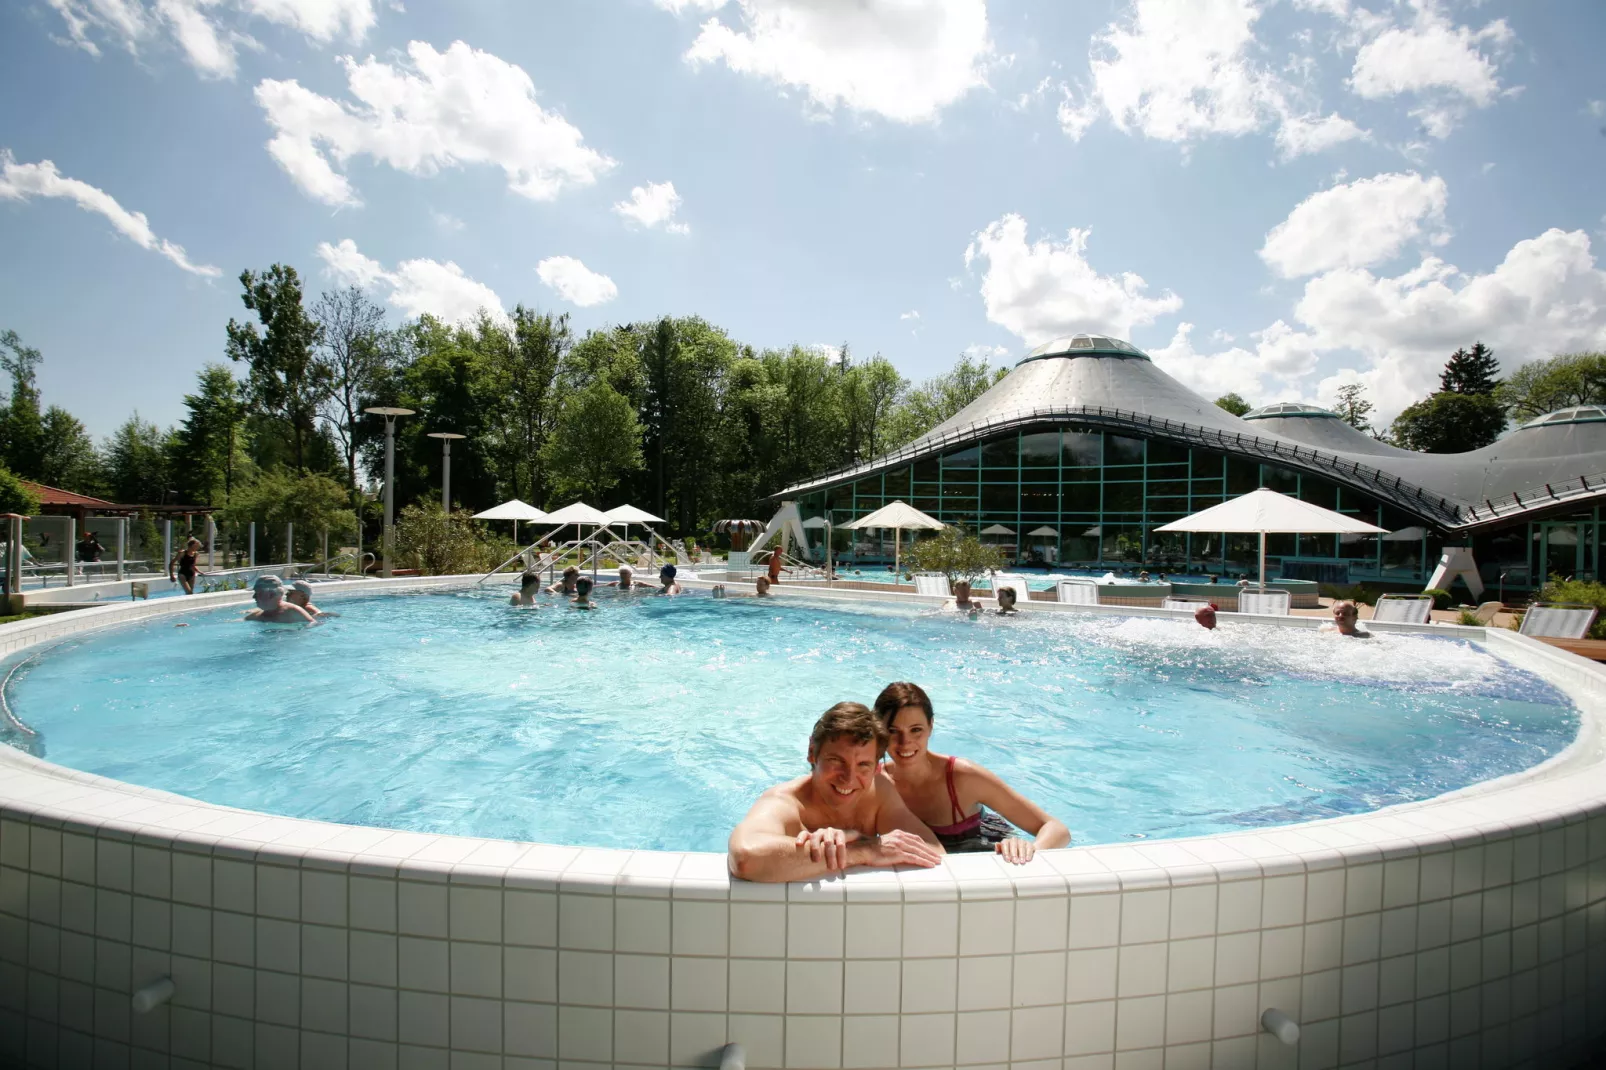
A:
{"x":932,"y":585}
{"x":1548,"y":621}
{"x":1403,"y":608}
{"x":1266,"y":603}
{"x":1013,"y":580}
{"x":1077,"y":592}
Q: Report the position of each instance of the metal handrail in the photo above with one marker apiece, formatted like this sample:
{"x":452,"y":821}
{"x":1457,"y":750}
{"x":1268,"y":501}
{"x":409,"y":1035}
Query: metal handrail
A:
{"x":1409,"y":496}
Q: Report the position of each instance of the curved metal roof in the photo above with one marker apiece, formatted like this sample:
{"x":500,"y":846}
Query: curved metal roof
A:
{"x":1109,"y":383}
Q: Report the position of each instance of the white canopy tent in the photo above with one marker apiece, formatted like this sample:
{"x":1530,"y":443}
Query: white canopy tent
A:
{"x":513,"y":510}
{"x":900,"y":517}
{"x":1265,"y":512}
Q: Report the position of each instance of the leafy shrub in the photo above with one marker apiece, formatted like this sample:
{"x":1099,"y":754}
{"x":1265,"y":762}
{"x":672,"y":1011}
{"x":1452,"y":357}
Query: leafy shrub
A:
{"x":1441,"y":597}
{"x":1582,"y":592}
{"x":954,"y":554}
{"x":1468,"y":618}
{"x":438,"y":543}
{"x":15,"y":497}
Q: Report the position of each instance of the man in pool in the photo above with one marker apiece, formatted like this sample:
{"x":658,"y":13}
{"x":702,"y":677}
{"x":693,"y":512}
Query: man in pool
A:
{"x":1206,"y":616}
{"x":842,"y":813}
{"x":666,"y":580}
{"x":300,"y":593}
{"x":582,"y":594}
{"x":1344,"y":617}
{"x":272,"y":608}
{"x":626,"y":580}
{"x":761,"y":587}
{"x":529,"y":587}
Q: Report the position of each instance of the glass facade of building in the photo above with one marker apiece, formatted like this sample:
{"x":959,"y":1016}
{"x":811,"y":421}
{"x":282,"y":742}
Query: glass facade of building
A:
{"x":1079,"y":496}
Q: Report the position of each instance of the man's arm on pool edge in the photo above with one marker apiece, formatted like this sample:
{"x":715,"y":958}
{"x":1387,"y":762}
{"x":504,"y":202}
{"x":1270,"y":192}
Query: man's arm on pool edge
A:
{"x":764,"y":848}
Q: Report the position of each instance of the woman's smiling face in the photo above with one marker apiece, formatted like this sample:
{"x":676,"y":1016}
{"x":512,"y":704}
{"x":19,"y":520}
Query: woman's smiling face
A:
{"x":910,"y":732}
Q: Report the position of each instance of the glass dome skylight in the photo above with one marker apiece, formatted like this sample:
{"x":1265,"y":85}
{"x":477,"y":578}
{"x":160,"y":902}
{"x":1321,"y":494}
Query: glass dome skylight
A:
{"x":1578,"y":414}
{"x":1290,"y":408}
{"x":1078,"y":344}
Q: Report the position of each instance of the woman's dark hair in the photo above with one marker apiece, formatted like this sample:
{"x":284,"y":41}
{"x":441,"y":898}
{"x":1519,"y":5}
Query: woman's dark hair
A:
{"x":895,"y":697}
{"x":529,"y":579}
{"x":582,"y":586}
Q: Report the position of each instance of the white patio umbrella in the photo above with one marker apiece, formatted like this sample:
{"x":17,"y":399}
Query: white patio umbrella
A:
{"x":513,"y":510}
{"x":1265,"y":512}
{"x":629,"y":514}
{"x":997,"y":529}
{"x":899,"y":516}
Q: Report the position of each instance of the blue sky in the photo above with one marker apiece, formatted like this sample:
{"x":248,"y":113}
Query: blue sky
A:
{"x":1274,"y":198}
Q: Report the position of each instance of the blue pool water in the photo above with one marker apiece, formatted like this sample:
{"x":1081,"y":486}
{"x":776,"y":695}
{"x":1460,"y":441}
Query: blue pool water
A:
{"x":654,"y":722}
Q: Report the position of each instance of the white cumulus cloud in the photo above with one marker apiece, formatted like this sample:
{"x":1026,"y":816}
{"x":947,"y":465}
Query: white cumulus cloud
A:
{"x":1282,"y":358}
{"x":415,"y":287}
{"x":1356,"y":224}
{"x":653,"y":205}
{"x":1181,"y":70}
{"x":576,"y":283}
{"x":209,"y":33}
{"x":21,"y":181}
{"x":676,"y":7}
{"x":1446,"y":65}
{"x":1045,"y":289}
{"x":435,"y":110}
{"x":905,"y":60}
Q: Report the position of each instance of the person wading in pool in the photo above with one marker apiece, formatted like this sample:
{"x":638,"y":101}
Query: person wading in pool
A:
{"x":299,"y":593}
{"x":582,"y":594}
{"x":185,"y":565}
{"x":1006,"y":601}
{"x":666,"y":580}
{"x":271,"y":605}
{"x":1206,"y":616}
{"x":565,"y":586}
{"x":841,"y":814}
{"x":952,"y":795}
{"x":529,"y":587}
{"x":1344,"y":617}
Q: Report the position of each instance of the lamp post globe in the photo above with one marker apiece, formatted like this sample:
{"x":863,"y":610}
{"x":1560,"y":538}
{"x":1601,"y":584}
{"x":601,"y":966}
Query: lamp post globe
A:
{"x":389,"y":412}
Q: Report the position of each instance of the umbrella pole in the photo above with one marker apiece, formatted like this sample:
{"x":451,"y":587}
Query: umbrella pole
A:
{"x":1262,"y":560}
{"x":897,"y":555}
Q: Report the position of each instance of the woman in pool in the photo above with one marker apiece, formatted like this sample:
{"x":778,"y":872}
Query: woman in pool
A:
{"x":952,"y":795}
{"x":582,"y":594}
{"x":1006,"y":601}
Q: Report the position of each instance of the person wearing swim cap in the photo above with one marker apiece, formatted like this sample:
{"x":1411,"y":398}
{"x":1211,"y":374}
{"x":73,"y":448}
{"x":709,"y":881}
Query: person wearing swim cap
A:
{"x":299,"y":593}
{"x":268,"y":591}
{"x":666,"y":580}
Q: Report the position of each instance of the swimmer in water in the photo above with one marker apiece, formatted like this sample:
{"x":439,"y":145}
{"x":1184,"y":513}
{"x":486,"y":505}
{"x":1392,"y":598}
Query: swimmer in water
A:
{"x":1344,"y":617}
{"x":566,"y":584}
{"x":268,"y":591}
{"x":626,"y":580}
{"x":962,"y":600}
{"x":1006,"y":601}
{"x":299,"y":593}
{"x":582,"y":594}
{"x":666,"y":580}
{"x":761,"y":587}
{"x":529,"y":587}
{"x":1205,"y":615}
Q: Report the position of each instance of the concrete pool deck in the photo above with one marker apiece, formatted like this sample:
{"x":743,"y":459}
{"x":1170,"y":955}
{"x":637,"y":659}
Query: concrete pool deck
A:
{"x":1467,"y":930}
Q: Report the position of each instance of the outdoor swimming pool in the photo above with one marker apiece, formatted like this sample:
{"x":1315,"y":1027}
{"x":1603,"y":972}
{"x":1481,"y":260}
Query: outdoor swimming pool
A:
{"x":655,"y":722}
{"x":1037,"y":581}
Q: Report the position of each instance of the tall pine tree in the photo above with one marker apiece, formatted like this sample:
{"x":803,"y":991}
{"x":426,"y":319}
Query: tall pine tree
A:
{"x":1471,"y":371}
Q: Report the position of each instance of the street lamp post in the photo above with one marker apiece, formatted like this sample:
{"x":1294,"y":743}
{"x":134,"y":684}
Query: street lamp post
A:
{"x":389,"y":412}
{"x":446,"y":438}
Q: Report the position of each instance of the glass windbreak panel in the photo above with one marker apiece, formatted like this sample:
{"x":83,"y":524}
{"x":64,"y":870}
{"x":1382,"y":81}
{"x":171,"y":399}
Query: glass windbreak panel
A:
{"x":998,"y":495}
{"x":1119,"y":449}
{"x":1040,"y":449}
{"x":897,"y":483}
{"x":926,"y":470}
{"x":1318,"y":491}
{"x":1039,"y":498}
{"x":999,"y":453}
{"x":965,"y":458}
{"x":1122,"y":542}
{"x":1123,"y":497}
{"x":1280,"y":480}
{"x":1242,"y":476}
{"x":1082,"y":449}
{"x":1162,"y":452}
{"x":1082,"y":498}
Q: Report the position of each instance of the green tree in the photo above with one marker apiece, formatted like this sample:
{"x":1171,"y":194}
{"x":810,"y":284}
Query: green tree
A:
{"x":288,"y":380}
{"x":1559,"y":382}
{"x":941,"y":398}
{"x":135,"y":460}
{"x":21,"y":431}
{"x":313,"y":502}
{"x":956,"y":554}
{"x":356,"y":350}
{"x":210,"y":445}
{"x":1471,"y":371}
{"x":1449,"y":423}
{"x":521,"y":395}
{"x":1233,"y":403}
{"x":596,"y":442}
{"x":15,"y":496}
{"x":1353,"y":407}
{"x":67,"y":455}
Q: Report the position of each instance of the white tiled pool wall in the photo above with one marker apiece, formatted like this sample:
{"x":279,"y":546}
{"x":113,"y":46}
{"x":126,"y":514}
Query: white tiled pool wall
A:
{"x":1459,"y":933}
